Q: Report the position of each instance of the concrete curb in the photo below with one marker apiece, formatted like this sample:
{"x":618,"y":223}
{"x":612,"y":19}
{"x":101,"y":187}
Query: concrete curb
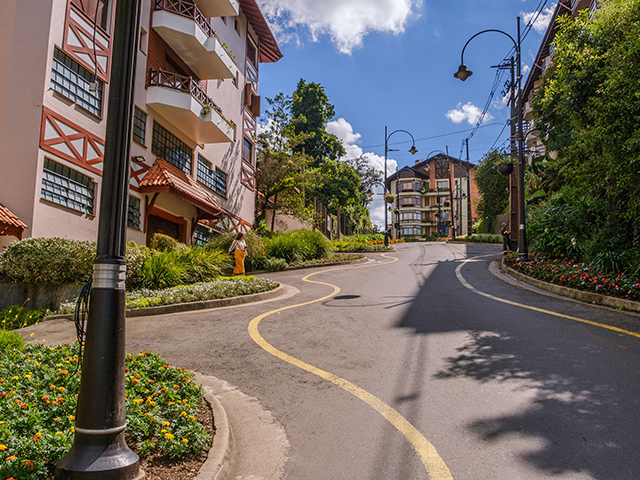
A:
{"x":256,"y":447}
{"x":581,"y":295}
{"x":220,"y":459}
{"x":189,"y":306}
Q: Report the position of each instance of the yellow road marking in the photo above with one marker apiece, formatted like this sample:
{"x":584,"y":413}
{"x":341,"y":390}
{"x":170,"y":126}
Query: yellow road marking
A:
{"x":433,"y":463}
{"x":464,"y":282}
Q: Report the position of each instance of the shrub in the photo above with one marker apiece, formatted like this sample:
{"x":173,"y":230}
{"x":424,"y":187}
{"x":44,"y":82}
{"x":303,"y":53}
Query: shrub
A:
{"x":353,"y":246}
{"x":165,"y":243}
{"x":136,"y":257}
{"x":484,"y":238}
{"x":19,"y":317}
{"x":47,"y":260}
{"x":161,"y":270}
{"x":431,"y":237}
{"x":275,"y":264}
{"x":202,"y":264}
{"x":10,"y":341}
{"x":298,"y":245}
{"x":411,"y":239}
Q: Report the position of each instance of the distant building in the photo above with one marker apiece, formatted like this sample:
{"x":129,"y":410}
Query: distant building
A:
{"x":432,"y":196}
{"x":196,"y":105}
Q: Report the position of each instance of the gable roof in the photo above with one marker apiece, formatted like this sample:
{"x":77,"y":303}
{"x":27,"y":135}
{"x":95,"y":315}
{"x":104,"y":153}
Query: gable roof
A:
{"x":166,"y":177}
{"x":10,"y":224}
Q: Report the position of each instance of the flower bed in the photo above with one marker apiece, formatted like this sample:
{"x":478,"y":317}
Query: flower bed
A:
{"x":576,"y":275}
{"x":38,"y":396}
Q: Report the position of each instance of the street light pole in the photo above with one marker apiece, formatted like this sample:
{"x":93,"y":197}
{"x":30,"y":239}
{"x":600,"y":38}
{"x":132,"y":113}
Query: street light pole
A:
{"x":469,"y":219}
{"x":463,"y":73}
{"x":99,"y":449}
{"x":413,"y":150}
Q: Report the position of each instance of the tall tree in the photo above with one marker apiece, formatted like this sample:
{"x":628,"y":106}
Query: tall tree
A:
{"x":312,"y":110}
{"x":281,"y":174}
{"x":588,"y":110}
{"x":492,"y":186}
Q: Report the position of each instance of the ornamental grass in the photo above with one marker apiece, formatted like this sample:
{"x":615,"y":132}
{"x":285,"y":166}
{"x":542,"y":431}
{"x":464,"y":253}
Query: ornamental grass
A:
{"x":573,"y":274}
{"x":38,"y":396}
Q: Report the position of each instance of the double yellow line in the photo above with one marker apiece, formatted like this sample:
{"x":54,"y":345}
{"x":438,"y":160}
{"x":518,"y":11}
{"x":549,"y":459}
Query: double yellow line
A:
{"x":433,"y":463}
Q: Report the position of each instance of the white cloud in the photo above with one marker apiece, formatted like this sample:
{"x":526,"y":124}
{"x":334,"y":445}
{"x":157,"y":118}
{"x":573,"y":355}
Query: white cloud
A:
{"x":544,"y":19}
{"x":345,"y":21}
{"x":468,"y":112}
{"x":342,"y":129}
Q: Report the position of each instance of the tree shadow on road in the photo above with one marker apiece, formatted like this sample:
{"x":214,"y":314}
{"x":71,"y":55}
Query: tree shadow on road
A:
{"x":584,"y":390}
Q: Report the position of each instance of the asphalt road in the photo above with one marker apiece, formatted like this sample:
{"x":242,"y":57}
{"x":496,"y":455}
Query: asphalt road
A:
{"x":397,"y":370}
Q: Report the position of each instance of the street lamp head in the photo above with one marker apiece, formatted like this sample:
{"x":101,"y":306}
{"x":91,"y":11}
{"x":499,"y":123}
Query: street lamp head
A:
{"x":463,"y":72}
{"x":413,"y":150}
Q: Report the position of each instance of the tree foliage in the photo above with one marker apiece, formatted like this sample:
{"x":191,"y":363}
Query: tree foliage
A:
{"x":492,"y":186}
{"x":311,"y":110}
{"x":588,"y":110}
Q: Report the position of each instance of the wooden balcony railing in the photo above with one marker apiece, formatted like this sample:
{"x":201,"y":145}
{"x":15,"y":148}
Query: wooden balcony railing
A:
{"x":188,"y":10}
{"x":186,"y":84}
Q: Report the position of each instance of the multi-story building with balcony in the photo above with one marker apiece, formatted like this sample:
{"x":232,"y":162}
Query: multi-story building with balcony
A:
{"x":432,"y":197}
{"x":544,"y":58}
{"x":196,"y":104}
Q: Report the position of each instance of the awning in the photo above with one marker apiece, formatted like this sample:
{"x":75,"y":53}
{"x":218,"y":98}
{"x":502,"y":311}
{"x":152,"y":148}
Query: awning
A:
{"x":163,"y":177}
{"x":10,"y":224}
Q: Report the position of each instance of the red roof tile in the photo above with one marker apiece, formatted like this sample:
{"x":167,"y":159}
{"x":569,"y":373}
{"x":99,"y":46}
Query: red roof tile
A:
{"x":9,"y":223}
{"x":165,"y":177}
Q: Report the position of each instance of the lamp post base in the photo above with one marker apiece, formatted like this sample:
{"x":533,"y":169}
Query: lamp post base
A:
{"x":99,"y":457}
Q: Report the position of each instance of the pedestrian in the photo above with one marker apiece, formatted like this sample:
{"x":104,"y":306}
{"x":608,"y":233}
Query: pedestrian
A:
{"x":239,"y":249}
{"x":506,"y":241}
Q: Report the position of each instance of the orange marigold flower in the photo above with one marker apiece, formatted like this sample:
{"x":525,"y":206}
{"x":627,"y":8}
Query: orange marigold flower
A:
{"x":11,"y":458}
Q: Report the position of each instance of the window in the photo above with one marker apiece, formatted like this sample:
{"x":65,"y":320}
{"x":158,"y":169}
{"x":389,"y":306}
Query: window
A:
{"x":442,"y":184}
{"x":409,"y":186}
{"x":410,"y":216}
{"x":247,"y":151}
{"x":410,"y":201}
{"x":252,"y":52}
{"x":133,"y":213}
{"x":72,"y":80}
{"x":171,"y":148}
{"x":201,"y":235}
{"x":139,"y":126}
{"x":216,"y":179}
{"x":410,"y":231}
{"x":67,"y":187}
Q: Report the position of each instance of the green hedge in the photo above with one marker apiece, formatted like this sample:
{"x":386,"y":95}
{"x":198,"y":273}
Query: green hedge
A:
{"x":47,"y":260}
{"x":298,"y":245}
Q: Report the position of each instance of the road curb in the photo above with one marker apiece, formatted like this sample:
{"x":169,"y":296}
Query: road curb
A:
{"x":588,"y":297}
{"x":190,"y":306}
{"x":220,"y":459}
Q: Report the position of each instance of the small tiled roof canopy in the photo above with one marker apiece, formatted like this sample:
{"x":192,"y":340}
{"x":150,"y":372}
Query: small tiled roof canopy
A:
{"x":269,"y":50}
{"x":10,"y":224}
{"x":165,"y":177}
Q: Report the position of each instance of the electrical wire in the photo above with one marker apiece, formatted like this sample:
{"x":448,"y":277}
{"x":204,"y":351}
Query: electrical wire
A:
{"x":80,"y":319}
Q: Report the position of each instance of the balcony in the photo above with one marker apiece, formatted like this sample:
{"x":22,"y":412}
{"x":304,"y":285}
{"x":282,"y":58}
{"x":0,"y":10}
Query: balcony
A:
{"x":180,"y":99}
{"x":218,"y":8}
{"x":187,"y":31}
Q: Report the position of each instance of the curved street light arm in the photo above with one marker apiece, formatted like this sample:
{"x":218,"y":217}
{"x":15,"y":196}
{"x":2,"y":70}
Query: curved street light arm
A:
{"x":485,"y":31}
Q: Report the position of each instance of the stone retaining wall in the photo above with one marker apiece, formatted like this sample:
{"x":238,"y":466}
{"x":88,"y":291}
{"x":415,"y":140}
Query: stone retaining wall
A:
{"x":37,"y":295}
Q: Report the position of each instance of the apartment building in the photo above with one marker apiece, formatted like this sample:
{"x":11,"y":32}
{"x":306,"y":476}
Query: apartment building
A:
{"x":431,"y":197}
{"x":533,"y":143}
{"x":196,"y":99}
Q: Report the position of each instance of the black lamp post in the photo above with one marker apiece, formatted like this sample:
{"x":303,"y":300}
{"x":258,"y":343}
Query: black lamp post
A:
{"x":516,"y":96}
{"x":99,"y":450}
{"x":413,"y":150}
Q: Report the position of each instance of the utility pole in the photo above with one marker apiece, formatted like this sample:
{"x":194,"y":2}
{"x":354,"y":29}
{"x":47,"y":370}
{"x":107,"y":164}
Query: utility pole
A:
{"x":99,"y":449}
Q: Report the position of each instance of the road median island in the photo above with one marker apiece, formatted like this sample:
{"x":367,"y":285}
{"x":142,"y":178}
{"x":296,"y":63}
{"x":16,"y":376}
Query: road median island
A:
{"x":583,"y":296}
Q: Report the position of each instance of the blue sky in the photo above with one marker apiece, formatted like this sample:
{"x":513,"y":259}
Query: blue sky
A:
{"x":391,"y":62}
